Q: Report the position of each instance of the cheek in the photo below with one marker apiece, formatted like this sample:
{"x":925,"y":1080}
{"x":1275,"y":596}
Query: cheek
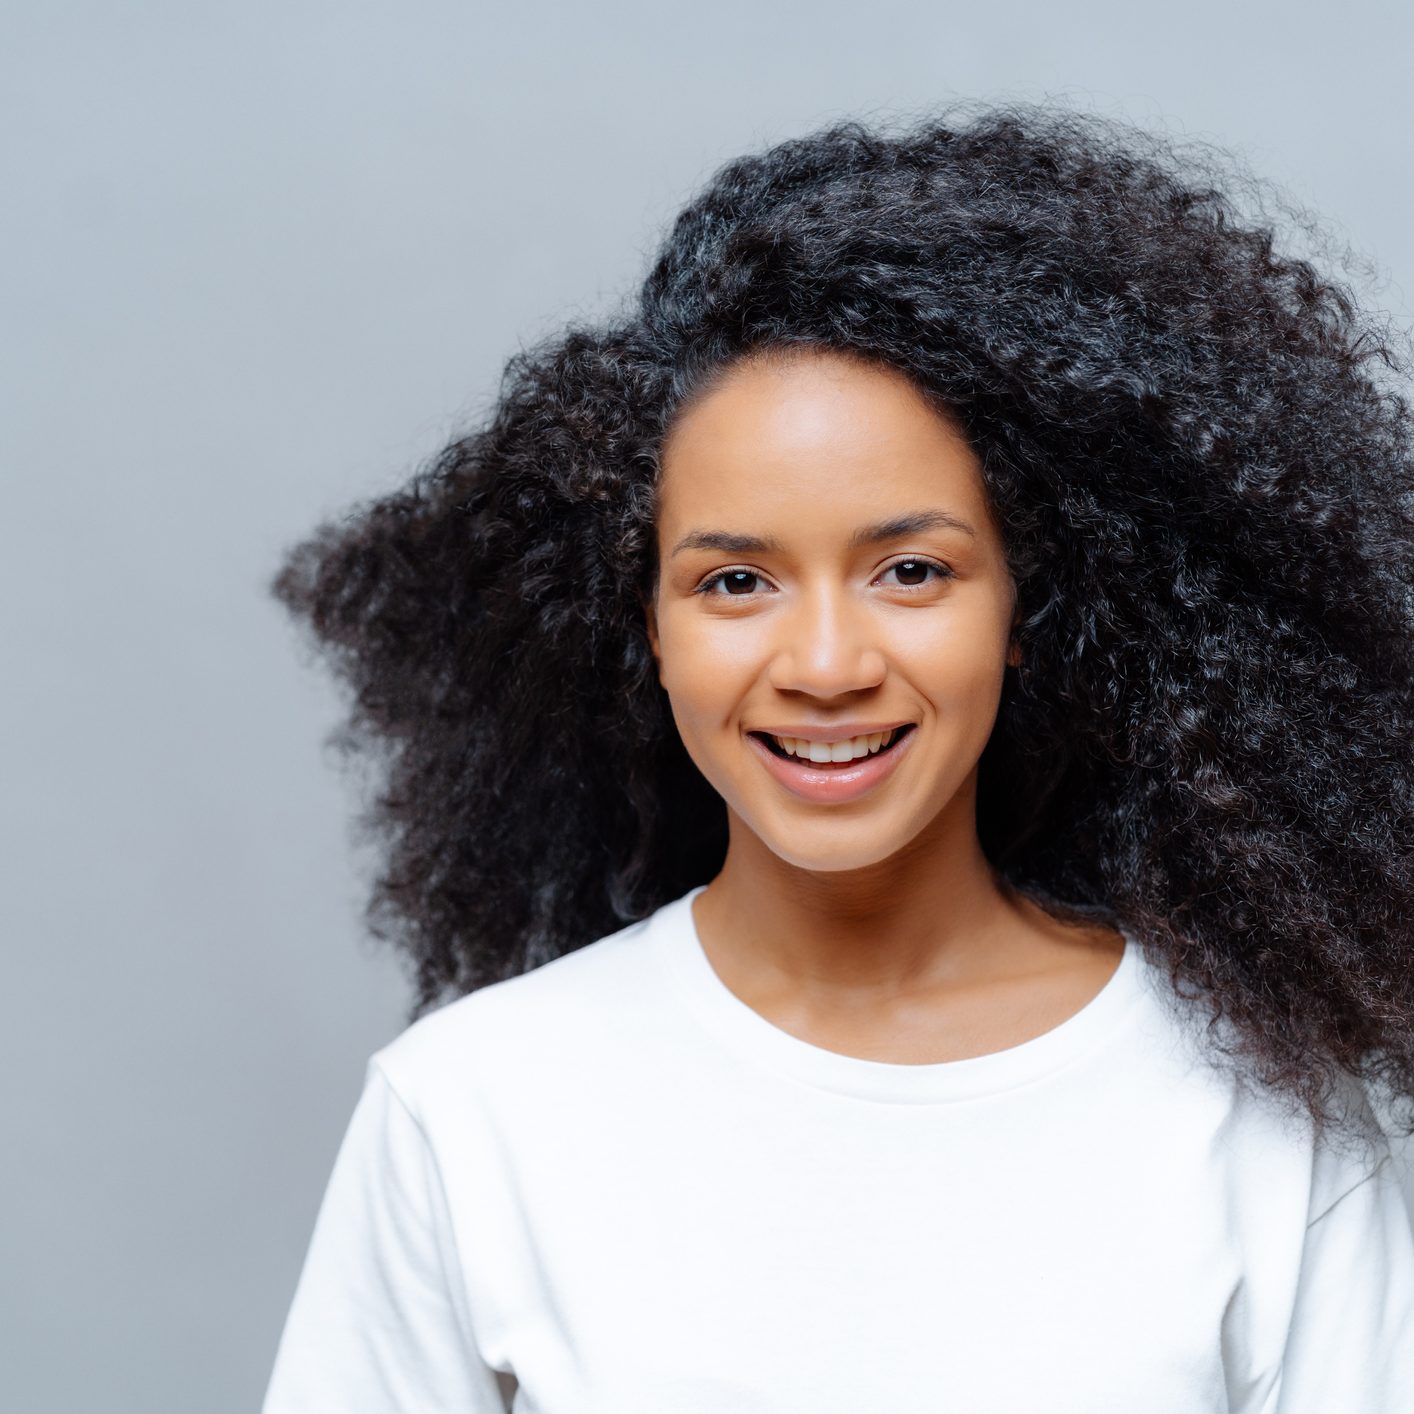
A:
{"x":702,"y":670}
{"x":950,"y":659}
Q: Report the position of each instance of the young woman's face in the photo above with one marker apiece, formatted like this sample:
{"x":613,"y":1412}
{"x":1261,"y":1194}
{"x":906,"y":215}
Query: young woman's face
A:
{"x":829,"y":569}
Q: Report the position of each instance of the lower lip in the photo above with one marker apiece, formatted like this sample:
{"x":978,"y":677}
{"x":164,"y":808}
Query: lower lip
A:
{"x":840,"y":783}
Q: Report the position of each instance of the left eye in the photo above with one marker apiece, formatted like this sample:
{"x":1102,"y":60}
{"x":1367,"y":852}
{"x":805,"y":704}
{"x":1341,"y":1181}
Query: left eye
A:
{"x":915,"y":567}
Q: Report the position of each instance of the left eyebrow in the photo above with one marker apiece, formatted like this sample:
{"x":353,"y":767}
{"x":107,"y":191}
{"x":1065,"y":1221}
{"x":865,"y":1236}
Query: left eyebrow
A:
{"x":909,"y":524}
{"x":891,"y":529}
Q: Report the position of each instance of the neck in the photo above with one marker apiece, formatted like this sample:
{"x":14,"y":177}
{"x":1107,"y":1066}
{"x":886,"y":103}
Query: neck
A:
{"x":932,"y":914}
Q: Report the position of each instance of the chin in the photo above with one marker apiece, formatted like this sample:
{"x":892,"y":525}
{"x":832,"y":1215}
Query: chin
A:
{"x":831,"y":849}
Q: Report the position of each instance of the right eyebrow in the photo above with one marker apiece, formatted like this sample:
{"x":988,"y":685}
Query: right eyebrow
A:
{"x":726,"y":540}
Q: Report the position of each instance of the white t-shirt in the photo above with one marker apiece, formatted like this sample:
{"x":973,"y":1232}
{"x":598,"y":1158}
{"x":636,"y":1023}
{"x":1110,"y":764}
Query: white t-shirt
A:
{"x":613,"y":1178}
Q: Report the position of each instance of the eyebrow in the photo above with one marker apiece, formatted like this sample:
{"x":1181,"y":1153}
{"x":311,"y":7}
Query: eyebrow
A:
{"x":908,"y":524}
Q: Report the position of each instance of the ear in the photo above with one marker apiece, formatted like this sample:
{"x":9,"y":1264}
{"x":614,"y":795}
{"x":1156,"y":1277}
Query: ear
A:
{"x":650,"y":623}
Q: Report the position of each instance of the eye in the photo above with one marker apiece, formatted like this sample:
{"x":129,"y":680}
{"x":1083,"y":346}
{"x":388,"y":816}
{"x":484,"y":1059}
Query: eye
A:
{"x":914,"y":565}
{"x":732,"y":579}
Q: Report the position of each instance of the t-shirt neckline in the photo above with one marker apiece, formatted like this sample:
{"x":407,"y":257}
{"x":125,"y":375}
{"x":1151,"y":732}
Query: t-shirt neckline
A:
{"x":751,"y":1035}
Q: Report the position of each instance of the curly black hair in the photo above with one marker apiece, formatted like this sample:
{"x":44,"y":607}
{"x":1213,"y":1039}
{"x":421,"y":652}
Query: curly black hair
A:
{"x":1202,"y":468}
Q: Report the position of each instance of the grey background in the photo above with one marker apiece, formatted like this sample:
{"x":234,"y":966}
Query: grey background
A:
{"x":262,"y":259}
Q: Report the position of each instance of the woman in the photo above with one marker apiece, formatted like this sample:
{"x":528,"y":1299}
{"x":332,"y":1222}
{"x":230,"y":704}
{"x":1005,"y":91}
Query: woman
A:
{"x":899,"y":805}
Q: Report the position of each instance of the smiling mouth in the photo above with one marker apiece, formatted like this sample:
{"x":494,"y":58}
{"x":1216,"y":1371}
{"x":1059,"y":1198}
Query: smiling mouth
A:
{"x":774,"y":747}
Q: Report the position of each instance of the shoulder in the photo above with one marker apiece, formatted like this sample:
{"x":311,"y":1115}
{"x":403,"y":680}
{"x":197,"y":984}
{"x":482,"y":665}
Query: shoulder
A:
{"x":513,"y":1029}
{"x":1263,"y":1139}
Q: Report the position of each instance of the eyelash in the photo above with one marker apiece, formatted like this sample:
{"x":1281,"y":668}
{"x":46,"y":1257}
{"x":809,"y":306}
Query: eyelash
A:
{"x":717,"y":576}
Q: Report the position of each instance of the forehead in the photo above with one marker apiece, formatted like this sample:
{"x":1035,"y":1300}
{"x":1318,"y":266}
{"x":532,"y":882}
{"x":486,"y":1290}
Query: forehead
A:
{"x":809,"y":424}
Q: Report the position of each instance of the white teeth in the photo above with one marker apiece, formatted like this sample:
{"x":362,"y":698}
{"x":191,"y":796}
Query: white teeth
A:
{"x":849,"y":750}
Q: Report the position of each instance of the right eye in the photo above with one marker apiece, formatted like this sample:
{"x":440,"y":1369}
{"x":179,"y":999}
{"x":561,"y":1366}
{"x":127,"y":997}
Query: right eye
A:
{"x":735,"y":580}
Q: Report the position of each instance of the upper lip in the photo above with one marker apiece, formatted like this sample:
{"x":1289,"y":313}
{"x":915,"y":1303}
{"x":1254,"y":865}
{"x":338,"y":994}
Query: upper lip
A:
{"x":835,"y":731}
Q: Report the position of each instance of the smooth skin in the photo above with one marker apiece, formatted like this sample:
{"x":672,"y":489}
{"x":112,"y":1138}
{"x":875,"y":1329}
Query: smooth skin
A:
{"x":874,"y":927}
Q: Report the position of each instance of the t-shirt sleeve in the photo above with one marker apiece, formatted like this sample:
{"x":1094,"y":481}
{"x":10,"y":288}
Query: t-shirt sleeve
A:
{"x":379,"y":1322}
{"x":1351,"y":1341}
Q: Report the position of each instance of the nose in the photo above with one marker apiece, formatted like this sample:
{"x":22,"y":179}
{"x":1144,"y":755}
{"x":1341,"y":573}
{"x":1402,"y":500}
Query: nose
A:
{"x":826,"y":645}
